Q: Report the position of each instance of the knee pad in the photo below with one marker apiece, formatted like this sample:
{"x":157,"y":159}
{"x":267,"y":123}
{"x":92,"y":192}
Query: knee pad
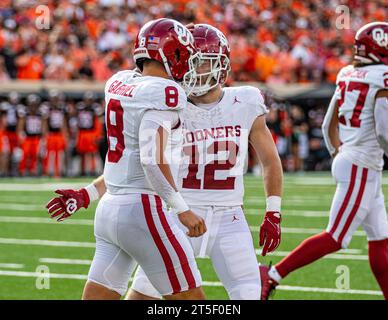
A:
{"x":235,"y":254}
{"x":111,"y":267}
{"x":110,"y":278}
{"x":144,"y":286}
{"x":247,"y":291}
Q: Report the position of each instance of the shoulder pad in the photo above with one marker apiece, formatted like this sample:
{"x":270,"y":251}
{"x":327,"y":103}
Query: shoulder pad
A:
{"x":344,"y":70}
{"x":122,"y":76}
{"x":379,"y":76}
{"x":163,"y":94}
{"x":252,"y":96}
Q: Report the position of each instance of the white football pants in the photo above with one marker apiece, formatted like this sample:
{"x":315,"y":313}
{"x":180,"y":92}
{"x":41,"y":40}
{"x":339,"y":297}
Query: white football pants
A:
{"x":358,"y":200}
{"x":228,"y":242}
{"x":135,"y":228}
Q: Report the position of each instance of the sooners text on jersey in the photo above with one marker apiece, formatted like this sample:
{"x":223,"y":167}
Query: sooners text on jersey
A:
{"x":216,"y":147}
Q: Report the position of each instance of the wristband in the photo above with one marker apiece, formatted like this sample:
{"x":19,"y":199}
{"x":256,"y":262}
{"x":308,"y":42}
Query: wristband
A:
{"x":92,"y":192}
{"x":274,"y":203}
{"x":177,"y":202}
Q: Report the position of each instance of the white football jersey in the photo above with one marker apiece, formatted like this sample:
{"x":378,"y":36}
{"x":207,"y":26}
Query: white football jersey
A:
{"x":356,"y":91}
{"x":128,"y":95}
{"x":215,"y":147}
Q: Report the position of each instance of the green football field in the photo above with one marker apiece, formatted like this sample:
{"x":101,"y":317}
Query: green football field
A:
{"x":30,"y":243}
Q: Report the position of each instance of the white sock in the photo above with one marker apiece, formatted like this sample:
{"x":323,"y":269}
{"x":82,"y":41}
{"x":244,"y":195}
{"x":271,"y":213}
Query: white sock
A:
{"x":274,"y":274}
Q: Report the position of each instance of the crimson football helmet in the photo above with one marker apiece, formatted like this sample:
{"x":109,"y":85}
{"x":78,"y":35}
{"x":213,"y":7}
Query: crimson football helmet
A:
{"x":214,"y":56}
{"x":371,"y":43}
{"x":171,"y":43}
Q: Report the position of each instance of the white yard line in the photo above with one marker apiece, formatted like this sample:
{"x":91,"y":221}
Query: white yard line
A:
{"x":353,"y":251}
{"x":10,"y":273}
{"x":42,"y":275}
{"x":316,"y":197}
{"x":335,"y":256}
{"x":12,"y":265}
{"x":65,"y":261}
{"x":305,"y":230}
{"x":323,"y":180}
{"x":341,"y":252}
{"x":39,"y":186}
{"x":346,"y":257}
{"x":329,"y":290}
{"x":12,"y":219}
{"x":39,"y":242}
{"x":286,"y":202}
{"x":294,"y":213}
{"x":21,"y":207}
{"x":307,"y":180}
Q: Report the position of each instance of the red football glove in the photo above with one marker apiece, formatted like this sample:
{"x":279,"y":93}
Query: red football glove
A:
{"x":69,"y":202}
{"x":270,"y":232}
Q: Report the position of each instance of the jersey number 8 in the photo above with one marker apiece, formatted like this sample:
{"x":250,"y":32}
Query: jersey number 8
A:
{"x":115,"y":123}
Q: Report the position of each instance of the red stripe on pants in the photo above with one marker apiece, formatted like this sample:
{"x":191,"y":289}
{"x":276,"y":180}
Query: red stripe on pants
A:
{"x":355,"y":206}
{"x":346,"y":200}
{"x":159,"y":243}
{"x":176,"y":245}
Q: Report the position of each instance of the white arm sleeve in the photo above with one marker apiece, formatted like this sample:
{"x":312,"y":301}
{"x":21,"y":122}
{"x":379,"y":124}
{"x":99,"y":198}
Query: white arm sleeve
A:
{"x":381,"y":120}
{"x":148,"y":133}
{"x":326,"y":124}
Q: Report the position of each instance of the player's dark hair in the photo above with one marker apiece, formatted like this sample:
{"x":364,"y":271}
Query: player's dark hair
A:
{"x":359,"y":64}
{"x":141,"y":62}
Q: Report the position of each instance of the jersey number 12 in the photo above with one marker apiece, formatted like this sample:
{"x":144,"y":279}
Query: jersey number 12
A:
{"x":209,"y":182}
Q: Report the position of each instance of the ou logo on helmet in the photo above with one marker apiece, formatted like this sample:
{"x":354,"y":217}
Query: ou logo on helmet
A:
{"x":380,"y":37}
{"x":184,"y":35}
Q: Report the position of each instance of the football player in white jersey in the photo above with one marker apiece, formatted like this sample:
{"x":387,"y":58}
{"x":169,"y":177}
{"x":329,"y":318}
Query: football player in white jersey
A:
{"x":145,"y":142}
{"x":218,"y":126}
{"x":356,"y":134}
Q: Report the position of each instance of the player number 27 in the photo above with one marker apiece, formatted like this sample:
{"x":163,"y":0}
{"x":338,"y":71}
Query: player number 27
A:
{"x":363,"y":91}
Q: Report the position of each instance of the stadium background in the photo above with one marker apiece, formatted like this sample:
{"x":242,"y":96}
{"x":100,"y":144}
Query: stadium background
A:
{"x":292,"y":50}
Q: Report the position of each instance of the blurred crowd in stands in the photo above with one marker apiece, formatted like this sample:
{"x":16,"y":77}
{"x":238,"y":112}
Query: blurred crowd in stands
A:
{"x":273,"y":41}
{"x":56,"y":135}
{"x":298,"y":136}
